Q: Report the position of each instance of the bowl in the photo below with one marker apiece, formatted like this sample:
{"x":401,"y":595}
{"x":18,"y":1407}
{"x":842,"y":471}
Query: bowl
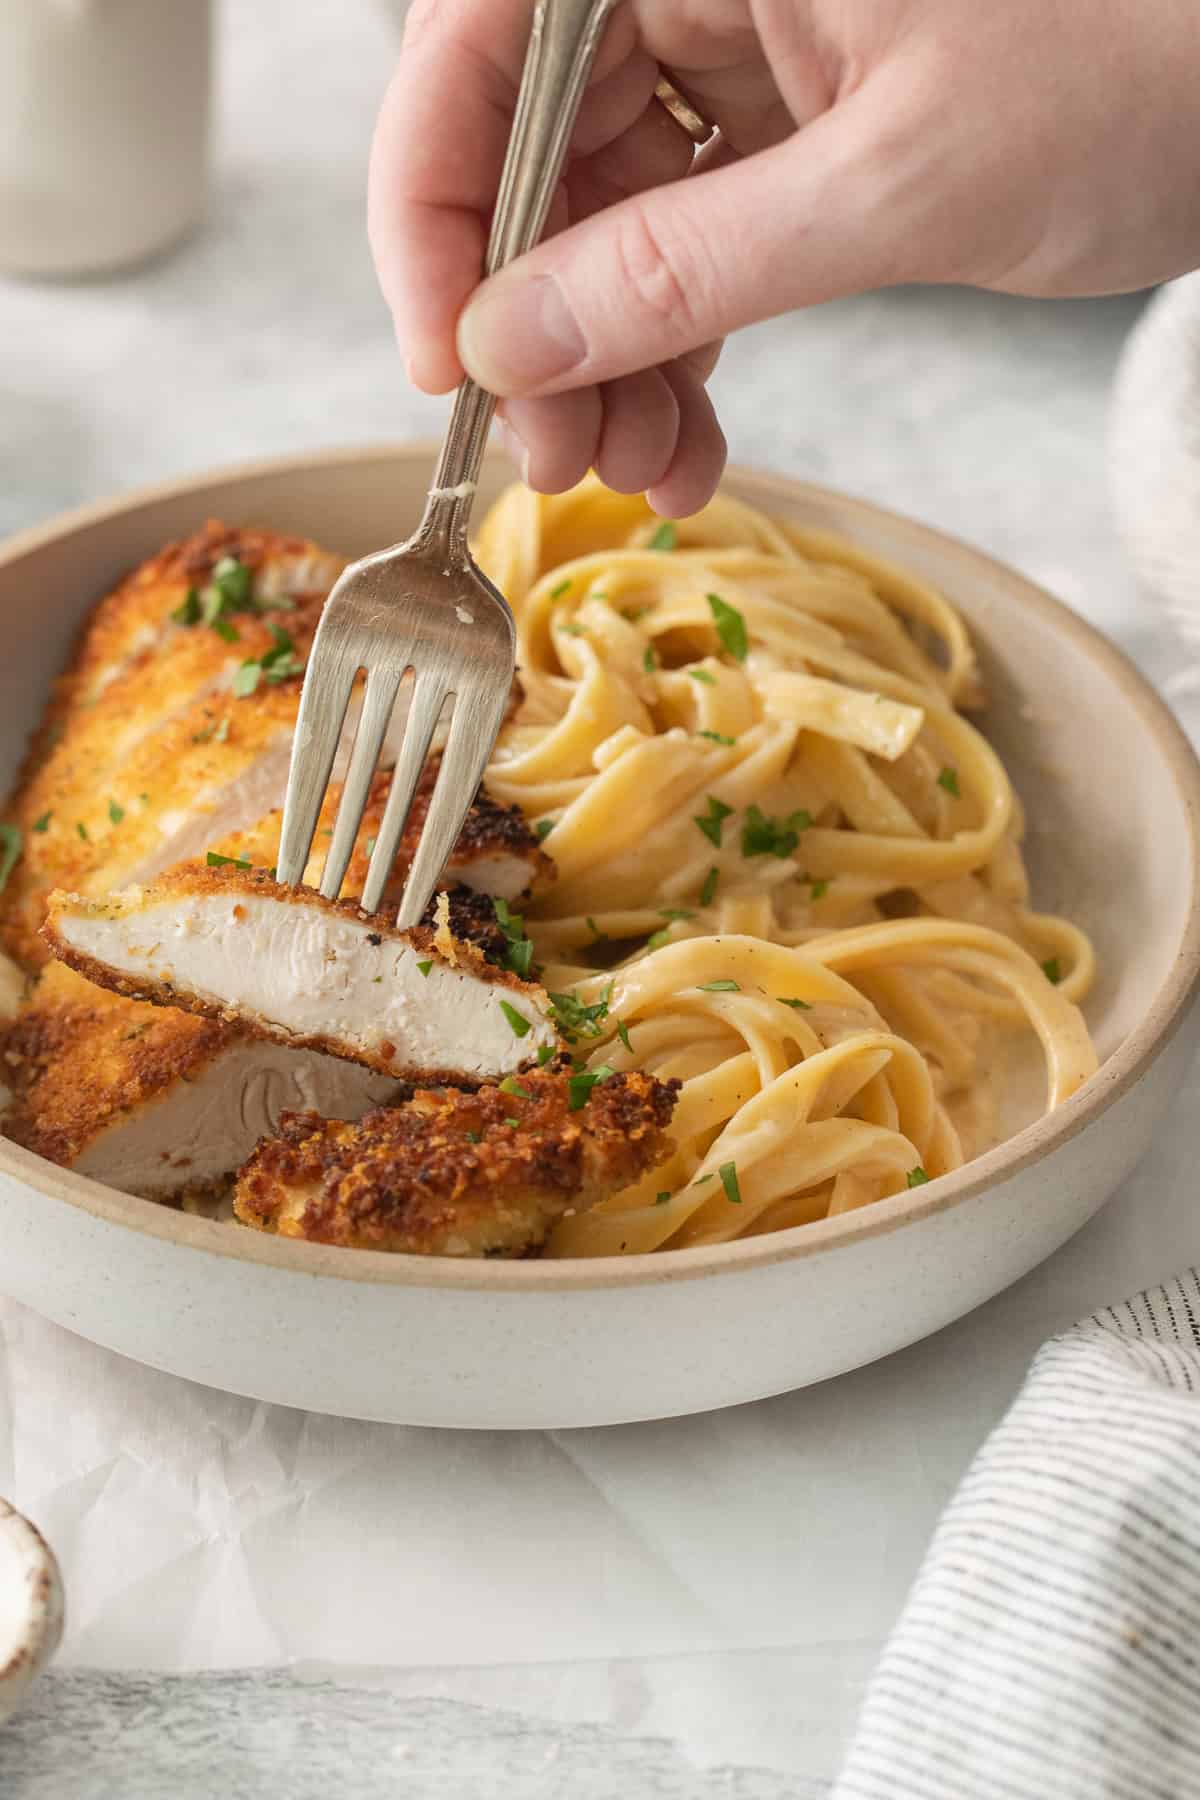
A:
{"x":1112,"y":791}
{"x":31,"y":1607}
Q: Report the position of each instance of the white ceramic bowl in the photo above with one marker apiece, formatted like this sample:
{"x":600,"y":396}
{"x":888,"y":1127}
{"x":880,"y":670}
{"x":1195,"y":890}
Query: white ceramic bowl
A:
{"x":31,"y":1607}
{"x":1113,"y":795}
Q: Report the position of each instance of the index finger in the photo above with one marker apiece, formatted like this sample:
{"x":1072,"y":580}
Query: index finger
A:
{"x":438,"y":150}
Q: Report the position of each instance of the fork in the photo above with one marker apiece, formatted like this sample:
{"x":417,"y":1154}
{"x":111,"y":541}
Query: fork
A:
{"x":424,"y":607}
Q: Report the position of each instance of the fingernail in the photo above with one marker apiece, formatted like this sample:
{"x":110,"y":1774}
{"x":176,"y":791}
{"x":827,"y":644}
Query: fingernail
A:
{"x":517,"y":334}
{"x":516,"y":447}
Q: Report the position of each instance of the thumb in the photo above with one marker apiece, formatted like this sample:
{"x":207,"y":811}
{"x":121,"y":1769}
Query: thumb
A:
{"x":668,"y":270}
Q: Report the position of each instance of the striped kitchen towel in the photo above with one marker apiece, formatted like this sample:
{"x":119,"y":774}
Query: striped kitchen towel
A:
{"x":1050,"y":1649}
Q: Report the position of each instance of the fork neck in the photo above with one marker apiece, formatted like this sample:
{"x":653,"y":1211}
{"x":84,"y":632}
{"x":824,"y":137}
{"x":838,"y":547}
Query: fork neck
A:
{"x":448,"y":506}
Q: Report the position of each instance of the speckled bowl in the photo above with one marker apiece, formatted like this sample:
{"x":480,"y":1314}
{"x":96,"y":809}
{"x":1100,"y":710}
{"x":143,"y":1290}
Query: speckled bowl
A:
{"x":1112,"y":790}
{"x":31,"y":1607}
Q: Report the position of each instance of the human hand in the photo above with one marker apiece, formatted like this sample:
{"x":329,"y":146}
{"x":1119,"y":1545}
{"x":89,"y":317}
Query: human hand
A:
{"x":1032,"y":148}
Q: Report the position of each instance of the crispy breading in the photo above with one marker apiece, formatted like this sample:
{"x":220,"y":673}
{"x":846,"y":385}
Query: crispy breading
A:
{"x":78,"y":1059}
{"x":287,"y":964}
{"x":144,"y":731}
{"x":451,"y":1174}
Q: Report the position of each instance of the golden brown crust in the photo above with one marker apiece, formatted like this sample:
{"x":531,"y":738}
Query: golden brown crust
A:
{"x":191,"y":881}
{"x":144,"y":722}
{"x":79,"y":1059}
{"x":450,"y":1174}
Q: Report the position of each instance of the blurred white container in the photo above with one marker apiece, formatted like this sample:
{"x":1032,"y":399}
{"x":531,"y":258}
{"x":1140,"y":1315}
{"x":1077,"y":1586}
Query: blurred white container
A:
{"x":104,"y":114}
{"x":1154,"y":454}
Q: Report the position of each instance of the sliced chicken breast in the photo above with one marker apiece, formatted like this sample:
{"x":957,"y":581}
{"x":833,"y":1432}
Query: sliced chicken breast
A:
{"x":233,"y":944}
{"x":155,"y":1101}
{"x":452,"y":1174}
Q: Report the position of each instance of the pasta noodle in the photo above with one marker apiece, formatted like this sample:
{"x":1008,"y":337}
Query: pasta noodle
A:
{"x":789,"y":868}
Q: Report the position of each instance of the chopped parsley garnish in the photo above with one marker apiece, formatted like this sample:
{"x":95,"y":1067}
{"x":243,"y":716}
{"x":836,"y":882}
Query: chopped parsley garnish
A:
{"x":216,"y":861}
{"x":712,"y":821}
{"x":545,"y":1054}
{"x":116,"y":813}
{"x":665,"y":536}
{"x":1052,"y":970}
{"x":580,"y":1085}
{"x":519,"y":1023}
{"x":188,"y":611}
{"x":510,"y":1085}
{"x":675,"y":912}
{"x":425,"y":967}
{"x":214,"y":734}
{"x":369,"y":847}
{"x":916,"y":1177}
{"x":623,"y":1034}
{"x":518,"y":951}
{"x":10,"y":851}
{"x":729,"y":1181}
{"x":948,"y":779}
{"x":274,"y":665}
{"x":511,"y":1121}
{"x":719,"y":987}
{"x":43,"y":824}
{"x":574,"y":1019}
{"x":708,"y":892}
{"x":800,"y":1005}
{"x":82,"y":829}
{"x":572,"y":629}
{"x":701,"y":1179}
{"x":231,"y":579}
{"x":819,"y":889}
{"x":595,"y":929}
{"x":731,"y":627}
{"x":717,"y":737}
{"x":657,"y":939}
{"x":705,"y":677}
{"x":763,"y":836}
{"x":661,"y":1199}
{"x":556,"y":593}
{"x":649,"y":660}
{"x":473,"y":1137}
{"x":543,"y":828}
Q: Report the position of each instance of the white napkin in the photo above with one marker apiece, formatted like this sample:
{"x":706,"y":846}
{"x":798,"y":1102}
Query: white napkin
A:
{"x":1050,"y":1649}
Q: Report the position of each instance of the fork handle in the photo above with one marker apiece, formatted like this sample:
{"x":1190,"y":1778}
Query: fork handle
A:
{"x":563,"y":40}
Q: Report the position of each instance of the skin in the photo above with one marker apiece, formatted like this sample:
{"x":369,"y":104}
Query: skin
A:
{"x":1043,"y":147}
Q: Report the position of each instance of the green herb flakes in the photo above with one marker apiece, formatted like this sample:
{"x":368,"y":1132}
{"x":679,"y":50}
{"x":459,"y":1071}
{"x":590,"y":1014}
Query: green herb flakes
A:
{"x":545,"y":1054}
{"x":657,"y":939}
{"x":188,"y":611}
{"x":216,"y":861}
{"x":564,"y":587}
{"x":623,"y":1034}
{"x":473,"y":1137}
{"x":665,"y":536}
{"x":580,"y":1085}
{"x":712,"y":821}
{"x":649,"y":660}
{"x":818,"y":889}
{"x":719,"y":987}
{"x":763,"y":836}
{"x":705,"y":677}
{"x":1052,"y":970}
{"x":10,"y":851}
{"x":916,"y":1177}
{"x":425,"y":967}
{"x":510,"y":1085}
{"x":43,"y":824}
{"x":661,"y":1199}
{"x":543,"y":828}
{"x":574,"y":1019}
{"x":799,"y":1005}
{"x":82,"y":829}
{"x":731,"y":627}
{"x":729,"y":1181}
{"x":116,"y":813}
{"x":948,"y":779}
{"x":718,"y":737}
{"x":708,"y":892}
{"x":519,"y":1023}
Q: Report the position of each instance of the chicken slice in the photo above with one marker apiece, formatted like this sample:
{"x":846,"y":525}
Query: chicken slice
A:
{"x":451,"y":1174}
{"x":155,"y":1101}
{"x":233,"y":944}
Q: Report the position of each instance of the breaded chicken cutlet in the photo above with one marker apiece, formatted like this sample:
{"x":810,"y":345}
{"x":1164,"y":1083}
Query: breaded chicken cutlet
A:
{"x":284,"y":963}
{"x":454,"y":1174}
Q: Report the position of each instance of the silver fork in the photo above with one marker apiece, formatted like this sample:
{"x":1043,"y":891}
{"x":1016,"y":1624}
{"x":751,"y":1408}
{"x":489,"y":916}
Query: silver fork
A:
{"x":423,"y":606}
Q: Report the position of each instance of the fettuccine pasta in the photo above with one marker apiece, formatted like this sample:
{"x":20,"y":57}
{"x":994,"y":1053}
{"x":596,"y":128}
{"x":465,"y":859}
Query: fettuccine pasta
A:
{"x":788,"y":868}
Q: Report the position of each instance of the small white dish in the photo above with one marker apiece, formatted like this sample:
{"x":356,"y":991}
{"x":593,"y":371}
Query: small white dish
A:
{"x":31,"y":1607}
{"x":1112,"y":792}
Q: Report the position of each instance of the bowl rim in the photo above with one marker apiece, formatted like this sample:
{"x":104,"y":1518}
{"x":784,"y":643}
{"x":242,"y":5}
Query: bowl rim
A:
{"x":1123,"y":1069}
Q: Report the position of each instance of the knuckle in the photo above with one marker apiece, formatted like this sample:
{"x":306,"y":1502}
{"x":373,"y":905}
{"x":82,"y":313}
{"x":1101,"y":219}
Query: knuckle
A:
{"x":665,"y":281}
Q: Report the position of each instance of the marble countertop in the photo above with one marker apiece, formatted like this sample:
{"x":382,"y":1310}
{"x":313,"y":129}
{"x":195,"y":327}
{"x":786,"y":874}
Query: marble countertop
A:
{"x":982,"y":415}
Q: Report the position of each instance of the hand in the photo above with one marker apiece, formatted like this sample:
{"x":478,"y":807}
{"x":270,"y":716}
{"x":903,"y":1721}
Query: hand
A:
{"x":1041,"y":147}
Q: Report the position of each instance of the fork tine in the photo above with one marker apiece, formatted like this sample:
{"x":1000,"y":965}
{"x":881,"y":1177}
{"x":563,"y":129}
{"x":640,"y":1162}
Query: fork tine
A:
{"x":478,"y":713}
{"x":428,"y":698}
{"x":373,"y":721}
{"x":324,"y":699}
